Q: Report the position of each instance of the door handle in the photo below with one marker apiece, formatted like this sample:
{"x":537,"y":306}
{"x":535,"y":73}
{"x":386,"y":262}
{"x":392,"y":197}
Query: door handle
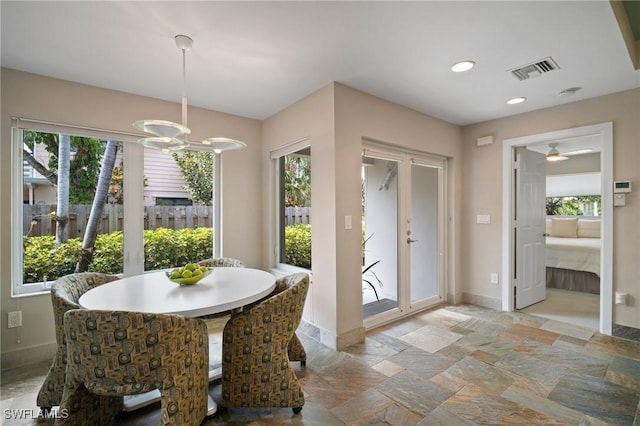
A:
{"x":409,"y":241}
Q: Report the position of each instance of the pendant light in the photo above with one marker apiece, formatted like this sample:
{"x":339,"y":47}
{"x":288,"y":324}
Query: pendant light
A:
{"x":169,"y":136}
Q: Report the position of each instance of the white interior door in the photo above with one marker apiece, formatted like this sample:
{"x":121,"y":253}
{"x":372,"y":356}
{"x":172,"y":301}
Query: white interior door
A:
{"x":529,"y":223}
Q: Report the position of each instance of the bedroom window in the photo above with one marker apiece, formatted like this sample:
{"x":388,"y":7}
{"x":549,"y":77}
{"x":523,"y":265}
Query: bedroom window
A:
{"x":574,"y":206}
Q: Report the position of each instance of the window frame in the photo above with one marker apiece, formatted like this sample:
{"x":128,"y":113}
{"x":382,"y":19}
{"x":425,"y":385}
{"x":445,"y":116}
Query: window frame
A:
{"x":18,"y":127}
{"x":277,"y":224}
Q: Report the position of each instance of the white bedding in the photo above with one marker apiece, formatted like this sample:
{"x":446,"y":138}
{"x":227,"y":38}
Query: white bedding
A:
{"x":580,"y":254}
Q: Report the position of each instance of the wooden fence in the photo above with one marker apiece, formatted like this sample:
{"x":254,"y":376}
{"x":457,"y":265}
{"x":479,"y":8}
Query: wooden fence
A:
{"x":39,"y":219}
{"x":295,"y":215}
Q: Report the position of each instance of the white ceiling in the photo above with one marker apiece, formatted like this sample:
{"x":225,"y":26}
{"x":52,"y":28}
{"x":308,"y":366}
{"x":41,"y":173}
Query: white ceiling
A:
{"x":255,"y":58}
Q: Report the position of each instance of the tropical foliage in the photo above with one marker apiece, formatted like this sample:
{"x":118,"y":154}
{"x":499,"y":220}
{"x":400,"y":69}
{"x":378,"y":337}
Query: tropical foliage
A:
{"x":197,"y":171}
{"x":297,"y":181}
{"x":84,"y":165}
{"x":573,"y":206}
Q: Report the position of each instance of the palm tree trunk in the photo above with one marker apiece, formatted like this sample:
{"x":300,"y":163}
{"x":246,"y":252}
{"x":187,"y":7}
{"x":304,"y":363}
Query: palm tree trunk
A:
{"x":99,"y":200}
{"x":62,"y":209}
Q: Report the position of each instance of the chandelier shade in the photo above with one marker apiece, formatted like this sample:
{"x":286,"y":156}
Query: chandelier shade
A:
{"x":169,"y":136}
{"x":162,"y":128}
{"x":223,"y":144}
{"x":163,"y":143}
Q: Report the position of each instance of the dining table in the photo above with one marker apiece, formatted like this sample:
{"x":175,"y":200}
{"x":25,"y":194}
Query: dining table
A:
{"x":223,"y":290}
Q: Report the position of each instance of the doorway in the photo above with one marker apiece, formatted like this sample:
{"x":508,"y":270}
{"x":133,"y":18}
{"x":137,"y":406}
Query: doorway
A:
{"x":403,"y":233}
{"x":603,"y":132}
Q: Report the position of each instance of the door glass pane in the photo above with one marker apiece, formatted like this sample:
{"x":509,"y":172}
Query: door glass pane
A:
{"x":380,"y":235}
{"x":424,"y":232}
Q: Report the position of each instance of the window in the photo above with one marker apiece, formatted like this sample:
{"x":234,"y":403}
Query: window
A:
{"x":167,"y":204}
{"x":178,"y":210}
{"x":294,"y":207}
{"x":162,"y":201}
{"x":58,"y":179}
{"x":583,"y":205}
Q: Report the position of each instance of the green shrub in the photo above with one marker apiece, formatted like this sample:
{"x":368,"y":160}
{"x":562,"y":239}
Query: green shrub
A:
{"x":107,"y":255}
{"x":160,"y":248}
{"x":163,"y":248}
{"x":297,"y":243}
{"x":44,"y":262}
{"x":166,"y":248}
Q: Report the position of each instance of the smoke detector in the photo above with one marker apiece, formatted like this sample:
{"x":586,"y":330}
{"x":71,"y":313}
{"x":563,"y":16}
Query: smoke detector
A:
{"x":534,"y":69}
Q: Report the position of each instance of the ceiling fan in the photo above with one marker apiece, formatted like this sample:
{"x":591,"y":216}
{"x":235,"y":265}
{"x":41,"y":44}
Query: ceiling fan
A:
{"x":555,"y":155}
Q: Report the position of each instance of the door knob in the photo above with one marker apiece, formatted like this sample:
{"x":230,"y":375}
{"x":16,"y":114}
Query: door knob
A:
{"x":409,"y":241}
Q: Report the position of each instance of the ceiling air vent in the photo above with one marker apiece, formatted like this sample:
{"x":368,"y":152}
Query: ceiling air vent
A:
{"x":535,"y":69}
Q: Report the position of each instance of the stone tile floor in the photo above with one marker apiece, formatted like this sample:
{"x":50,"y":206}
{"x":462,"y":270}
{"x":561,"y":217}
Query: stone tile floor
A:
{"x":455,"y":365}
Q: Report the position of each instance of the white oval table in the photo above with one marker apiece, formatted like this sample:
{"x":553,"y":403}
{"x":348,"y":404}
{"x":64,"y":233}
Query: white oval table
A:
{"x":223,"y":290}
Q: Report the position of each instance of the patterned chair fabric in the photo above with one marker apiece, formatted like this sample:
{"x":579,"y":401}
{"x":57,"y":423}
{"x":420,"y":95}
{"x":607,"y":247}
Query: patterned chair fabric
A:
{"x":65,"y":293}
{"x":225,"y":262}
{"x":255,"y":363}
{"x":112,"y":354}
{"x":295,"y":350}
{"x":222,"y":261}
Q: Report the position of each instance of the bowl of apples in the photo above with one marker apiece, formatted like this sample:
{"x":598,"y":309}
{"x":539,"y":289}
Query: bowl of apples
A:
{"x":189,"y":274}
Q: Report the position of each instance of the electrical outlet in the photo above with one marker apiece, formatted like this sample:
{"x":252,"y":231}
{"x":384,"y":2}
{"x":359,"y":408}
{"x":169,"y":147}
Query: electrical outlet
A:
{"x":494,"y":278}
{"x":15,"y":319}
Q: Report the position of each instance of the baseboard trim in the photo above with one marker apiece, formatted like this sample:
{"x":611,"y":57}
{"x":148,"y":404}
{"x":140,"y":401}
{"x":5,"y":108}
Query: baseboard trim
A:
{"x":483,"y":301}
{"x":27,"y":356}
{"x":331,"y":340}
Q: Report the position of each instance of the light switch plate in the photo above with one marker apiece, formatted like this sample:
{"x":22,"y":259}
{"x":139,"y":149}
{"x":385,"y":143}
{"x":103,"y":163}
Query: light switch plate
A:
{"x":483,"y":219}
{"x":347,"y":222}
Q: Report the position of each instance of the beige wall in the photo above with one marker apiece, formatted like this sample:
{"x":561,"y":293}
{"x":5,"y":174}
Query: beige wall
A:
{"x":360,"y":117}
{"x":337,"y":119}
{"x":311,"y":119}
{"x":482,"y":191}
{"x":37,"y":97}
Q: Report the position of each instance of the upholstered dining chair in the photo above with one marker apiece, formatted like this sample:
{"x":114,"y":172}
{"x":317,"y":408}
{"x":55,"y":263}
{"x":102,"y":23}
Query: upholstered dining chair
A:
{"x":65,"y":293}
{"x":256,"y":370}
{"x":222,"y":261}
{"x":114,"y":353}
{"x":228,"y":262}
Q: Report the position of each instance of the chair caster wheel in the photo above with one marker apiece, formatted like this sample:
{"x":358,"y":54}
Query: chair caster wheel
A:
{"x":296,"y":410}
{"x":303,"y":364}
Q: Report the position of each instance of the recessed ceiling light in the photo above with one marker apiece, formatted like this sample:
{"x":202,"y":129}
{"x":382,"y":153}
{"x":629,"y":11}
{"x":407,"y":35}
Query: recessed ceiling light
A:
{"x":516,"y":101}
{"x":462,"y":66}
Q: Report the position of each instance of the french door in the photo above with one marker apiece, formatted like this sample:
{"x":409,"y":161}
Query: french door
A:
{"x":403,"y":233}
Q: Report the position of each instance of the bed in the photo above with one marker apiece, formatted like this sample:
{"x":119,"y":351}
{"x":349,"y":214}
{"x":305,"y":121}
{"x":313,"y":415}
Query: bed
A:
{"x":573,"y":254}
